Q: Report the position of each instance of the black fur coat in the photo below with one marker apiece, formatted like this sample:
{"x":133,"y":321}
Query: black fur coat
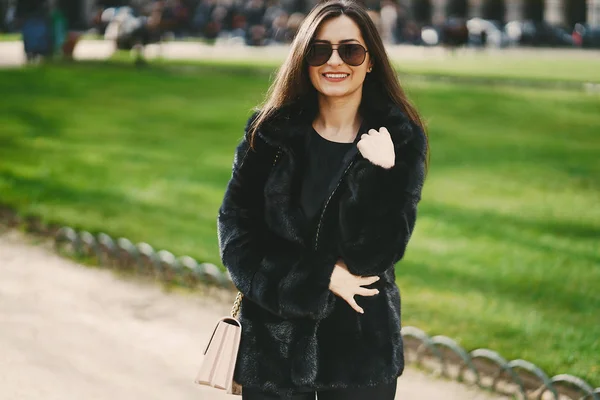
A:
{"x":296,"y":334}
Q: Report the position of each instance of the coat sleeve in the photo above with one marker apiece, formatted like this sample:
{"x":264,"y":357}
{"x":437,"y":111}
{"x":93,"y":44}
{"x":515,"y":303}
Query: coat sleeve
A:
{"x":273,"y":272}
{"x":378,"y":213}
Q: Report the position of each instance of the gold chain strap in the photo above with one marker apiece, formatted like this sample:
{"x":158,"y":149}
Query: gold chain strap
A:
{"x":235,"y":310}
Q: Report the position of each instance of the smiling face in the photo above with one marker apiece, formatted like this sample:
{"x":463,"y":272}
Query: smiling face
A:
{"x":336,"y":78}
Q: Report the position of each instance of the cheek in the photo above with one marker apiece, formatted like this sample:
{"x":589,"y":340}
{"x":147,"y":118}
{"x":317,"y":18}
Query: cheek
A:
{"x":314,"y":76}
{"x":359,"y":75}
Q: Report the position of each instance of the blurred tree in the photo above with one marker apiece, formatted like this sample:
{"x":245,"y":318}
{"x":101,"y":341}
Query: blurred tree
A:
{"x":457,"y":8}
{"x":73,"y":13}
{"x":576,"y":12}
{"x":534,"y":10}
{"x":494,"y":10}
{"x":3,"y":11}
{"x":28,"y":8}
{"x":112,"y":3}
{"x":422,"y":11}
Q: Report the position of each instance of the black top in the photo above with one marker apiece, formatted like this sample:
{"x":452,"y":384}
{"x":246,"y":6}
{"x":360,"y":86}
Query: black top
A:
{"x":323,"y":161}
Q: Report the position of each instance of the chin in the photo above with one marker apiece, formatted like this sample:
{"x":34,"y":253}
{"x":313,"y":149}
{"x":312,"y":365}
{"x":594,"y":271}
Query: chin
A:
{"x":337,"y":92}
{"x":334,"y":94}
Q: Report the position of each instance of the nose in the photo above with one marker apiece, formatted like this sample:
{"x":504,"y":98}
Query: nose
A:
{"x":335,"y":58}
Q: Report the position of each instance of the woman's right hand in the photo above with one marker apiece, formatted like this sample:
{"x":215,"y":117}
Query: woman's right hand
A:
{"x":346,"y":285}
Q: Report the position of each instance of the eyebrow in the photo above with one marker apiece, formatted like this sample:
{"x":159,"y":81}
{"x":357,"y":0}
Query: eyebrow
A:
{"x":341,"y":41}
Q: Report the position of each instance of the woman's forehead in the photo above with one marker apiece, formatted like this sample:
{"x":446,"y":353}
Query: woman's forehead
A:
{"x":339,"y":29}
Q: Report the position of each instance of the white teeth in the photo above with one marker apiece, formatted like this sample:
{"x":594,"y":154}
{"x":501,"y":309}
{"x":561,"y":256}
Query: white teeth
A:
{"x":336,"y":76}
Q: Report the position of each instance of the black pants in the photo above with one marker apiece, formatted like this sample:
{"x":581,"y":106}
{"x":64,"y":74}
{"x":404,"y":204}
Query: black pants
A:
{"x":381,"y":392}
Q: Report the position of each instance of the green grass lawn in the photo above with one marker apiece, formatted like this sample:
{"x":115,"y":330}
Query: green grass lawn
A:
{"x":568,"y":66}
{"x":505,"y":254}
{"x":529,"y":67}
{"x":9,"y":37}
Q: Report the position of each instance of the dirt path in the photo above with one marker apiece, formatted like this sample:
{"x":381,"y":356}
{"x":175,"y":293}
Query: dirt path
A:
{"x":73,"y":332}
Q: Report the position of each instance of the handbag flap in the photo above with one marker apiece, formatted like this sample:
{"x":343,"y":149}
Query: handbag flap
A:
{"x":224,"y":320}
{"x":218,"y":364}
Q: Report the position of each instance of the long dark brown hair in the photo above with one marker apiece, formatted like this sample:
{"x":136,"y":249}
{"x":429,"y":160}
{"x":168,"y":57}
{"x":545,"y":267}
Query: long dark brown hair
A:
{"x":292,"y":82}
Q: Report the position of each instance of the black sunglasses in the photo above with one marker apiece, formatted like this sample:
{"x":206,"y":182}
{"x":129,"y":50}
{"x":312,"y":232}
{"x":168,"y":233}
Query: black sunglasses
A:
{"x":352,"y":54}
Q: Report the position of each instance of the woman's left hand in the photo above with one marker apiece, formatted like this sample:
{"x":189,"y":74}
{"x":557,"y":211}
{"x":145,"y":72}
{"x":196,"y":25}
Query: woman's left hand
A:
{"x":377,"y":147}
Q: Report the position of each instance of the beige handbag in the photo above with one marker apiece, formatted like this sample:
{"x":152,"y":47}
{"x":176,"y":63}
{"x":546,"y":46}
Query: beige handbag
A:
{"x":218,"y":362}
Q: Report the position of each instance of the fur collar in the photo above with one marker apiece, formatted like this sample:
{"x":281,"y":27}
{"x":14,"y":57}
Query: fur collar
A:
{"x":289,"y":124}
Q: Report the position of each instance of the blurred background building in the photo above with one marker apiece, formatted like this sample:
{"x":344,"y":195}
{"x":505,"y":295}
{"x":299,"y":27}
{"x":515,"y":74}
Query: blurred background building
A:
{"x":496,"y":23}
{"x":557,"y":12}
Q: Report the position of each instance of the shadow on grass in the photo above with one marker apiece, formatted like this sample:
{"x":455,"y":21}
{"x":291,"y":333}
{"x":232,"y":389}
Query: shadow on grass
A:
{"x":163,"y":67}
{"x":517,"y":229}
{"x":37,"y":124}
{"x":108,"y":204}
{"x":478,"y":222}
{"x":551,"y":292}
{"x":548,"y":295}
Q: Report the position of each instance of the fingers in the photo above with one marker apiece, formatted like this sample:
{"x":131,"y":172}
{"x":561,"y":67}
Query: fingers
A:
{"x":361,"y":292}
{"x":355,"y":306}
{"x":368,"y":280}
{"x":367,"y":292}
{"x":382,"y":131}
{"x":374,"y":132}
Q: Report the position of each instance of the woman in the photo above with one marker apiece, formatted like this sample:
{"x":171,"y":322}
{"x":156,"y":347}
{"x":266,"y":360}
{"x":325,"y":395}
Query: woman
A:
{"x":320,"y":206}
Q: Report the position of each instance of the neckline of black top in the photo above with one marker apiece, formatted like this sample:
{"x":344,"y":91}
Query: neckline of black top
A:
{"x":333,"y":143}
